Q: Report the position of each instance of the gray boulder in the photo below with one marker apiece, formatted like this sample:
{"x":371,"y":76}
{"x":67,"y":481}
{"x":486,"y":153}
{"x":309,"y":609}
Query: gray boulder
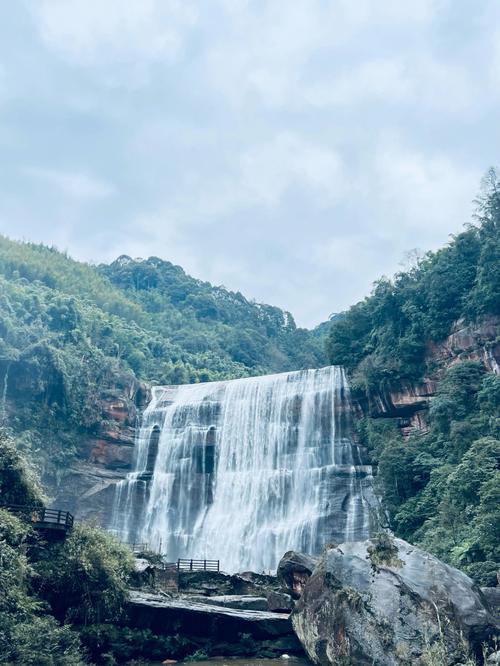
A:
{"x":388,"y":603}
{"x":492,"y":596}
{"x":237,"y":601}
{"x":279,"y":602}
{"x":294,"y":571}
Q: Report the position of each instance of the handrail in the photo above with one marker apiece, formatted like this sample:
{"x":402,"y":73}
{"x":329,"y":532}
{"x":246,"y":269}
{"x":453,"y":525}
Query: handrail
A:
{"x":42,"y":515}
{"x":197,"y":565}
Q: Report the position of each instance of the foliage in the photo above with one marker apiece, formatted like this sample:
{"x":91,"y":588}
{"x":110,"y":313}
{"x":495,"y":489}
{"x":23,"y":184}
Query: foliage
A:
{"x":40,"y":642}
{"x":70,"y":331}
{"x":384,"y":337}
{"x":85,"y":578}
{"x":383,"y":551}
{"x":18,"y":484}
{"x":110,"y":644}
{"x":27,"y":636}
{"x":442,"y":488}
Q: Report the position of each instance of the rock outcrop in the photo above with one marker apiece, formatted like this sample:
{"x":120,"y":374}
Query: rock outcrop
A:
{"x":105,"y":456}
{"x":294,"y":570}
{"x":224,"y":630}
{"x":218,"y":583}
{"x":409,"y":401}
{"x":367,"y":603}
{"x":492,"y":596}
{"x":236,"y":601}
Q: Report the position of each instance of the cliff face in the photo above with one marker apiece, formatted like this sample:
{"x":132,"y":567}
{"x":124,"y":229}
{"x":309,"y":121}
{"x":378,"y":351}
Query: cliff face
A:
{"x":106,"y":456}
{"x":409,"y":401}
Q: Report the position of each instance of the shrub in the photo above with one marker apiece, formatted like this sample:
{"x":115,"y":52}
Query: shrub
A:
{"x":85,"y":578}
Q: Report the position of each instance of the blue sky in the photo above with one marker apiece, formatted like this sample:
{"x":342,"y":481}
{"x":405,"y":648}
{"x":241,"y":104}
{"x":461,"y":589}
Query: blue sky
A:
{"x":294,"y":150}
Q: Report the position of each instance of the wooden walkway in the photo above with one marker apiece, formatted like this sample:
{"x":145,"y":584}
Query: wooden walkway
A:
{"x":42,"y":518}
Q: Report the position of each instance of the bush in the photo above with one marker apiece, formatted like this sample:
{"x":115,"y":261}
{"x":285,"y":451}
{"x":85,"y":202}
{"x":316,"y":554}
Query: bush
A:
{"x":40,"y":642}
{"x":18,"y":483}
{"x":85,"y":578}
{"x":108,"y":643}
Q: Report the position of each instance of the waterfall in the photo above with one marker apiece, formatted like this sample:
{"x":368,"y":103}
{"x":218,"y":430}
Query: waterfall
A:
{"x":244,"y":470}
{"x":3,"y":409}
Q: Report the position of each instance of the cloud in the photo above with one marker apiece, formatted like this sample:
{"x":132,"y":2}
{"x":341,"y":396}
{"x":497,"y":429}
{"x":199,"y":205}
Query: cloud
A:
{"x":418,"y":81}
{"x":287,"y":161}
{"x":428,"y":195}
{"x":262,"y":176}
{"x":92,"y":32}
{"x":79,"y":186}
{"x":270,"y":54}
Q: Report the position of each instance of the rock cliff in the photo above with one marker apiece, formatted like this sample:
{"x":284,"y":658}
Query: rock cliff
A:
{"x":106,"y":455}
{"x":409,"y":401}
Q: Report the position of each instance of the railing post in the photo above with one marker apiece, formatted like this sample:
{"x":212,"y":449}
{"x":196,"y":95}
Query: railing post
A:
{"x":191,"y":565}
{"x":58,"y":517}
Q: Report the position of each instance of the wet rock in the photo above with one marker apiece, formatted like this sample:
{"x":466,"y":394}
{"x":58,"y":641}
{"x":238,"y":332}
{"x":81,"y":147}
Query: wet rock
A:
{"x":279,"y":602}
{"x":225,"y":628}
{"x":365,"y":606}
{"x":238,"y":601}
{"x":143,"y":574}
{"x":294,"y":571}
{"x":209,"y":583}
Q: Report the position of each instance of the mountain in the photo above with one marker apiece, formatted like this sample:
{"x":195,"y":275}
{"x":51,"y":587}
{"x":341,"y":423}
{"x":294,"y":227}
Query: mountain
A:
{"x":71,"y":333}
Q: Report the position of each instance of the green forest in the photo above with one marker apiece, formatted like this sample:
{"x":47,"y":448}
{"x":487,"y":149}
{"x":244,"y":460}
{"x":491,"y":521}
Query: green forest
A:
{"x":441,"y":488}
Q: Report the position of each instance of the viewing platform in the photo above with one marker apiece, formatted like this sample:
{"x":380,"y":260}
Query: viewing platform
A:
{"x":43,"y":519}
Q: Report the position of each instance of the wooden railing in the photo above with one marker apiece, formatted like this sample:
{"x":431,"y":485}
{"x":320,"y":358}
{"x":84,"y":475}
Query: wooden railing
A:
{"x":198,"y":565}
{"x":42,"y":517}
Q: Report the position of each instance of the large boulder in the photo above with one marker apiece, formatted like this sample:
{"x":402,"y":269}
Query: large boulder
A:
{"x":217,"y":629}
{"x":386,"y":602}
{"x":294,"y":571}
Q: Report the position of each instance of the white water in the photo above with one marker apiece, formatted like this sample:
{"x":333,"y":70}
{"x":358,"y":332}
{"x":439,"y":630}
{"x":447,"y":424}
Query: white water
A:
{"x":246,"y":470}
{"x":3,"y":410}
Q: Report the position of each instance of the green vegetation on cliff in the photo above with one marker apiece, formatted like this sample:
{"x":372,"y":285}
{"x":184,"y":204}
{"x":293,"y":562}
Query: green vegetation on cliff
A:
{"x":441,"y":488}
{"x":44,"y":586}
{"x":147,"y":316}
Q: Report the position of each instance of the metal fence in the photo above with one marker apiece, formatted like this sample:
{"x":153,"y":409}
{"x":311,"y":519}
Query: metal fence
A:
{"x":198,"y":565}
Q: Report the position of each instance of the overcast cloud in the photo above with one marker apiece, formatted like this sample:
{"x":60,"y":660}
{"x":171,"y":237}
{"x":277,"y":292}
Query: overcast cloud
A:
{"x":294,"y":150}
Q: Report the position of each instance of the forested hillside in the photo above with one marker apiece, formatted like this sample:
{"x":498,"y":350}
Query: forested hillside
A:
{"x":69,"y":331}
{"x":386,"y":335}
{"x":441,"y":485}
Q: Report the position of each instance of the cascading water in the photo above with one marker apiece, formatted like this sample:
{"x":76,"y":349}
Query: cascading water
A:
{"x":244,"y":470}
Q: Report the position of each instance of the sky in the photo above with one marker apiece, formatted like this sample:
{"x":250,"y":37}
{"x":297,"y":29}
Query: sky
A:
{"x":294,"y":150}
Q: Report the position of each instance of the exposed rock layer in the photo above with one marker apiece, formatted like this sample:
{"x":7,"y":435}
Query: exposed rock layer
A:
{"x":222,"y":626}
{"x":409,"y":401}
